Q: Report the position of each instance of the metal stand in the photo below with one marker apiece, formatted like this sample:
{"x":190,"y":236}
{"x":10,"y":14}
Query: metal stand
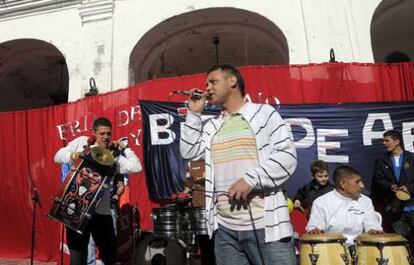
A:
{"x":62,"y":246}
{"x":36,"y":200}
{"x":313,"y":258}
{"x":135,"y":234}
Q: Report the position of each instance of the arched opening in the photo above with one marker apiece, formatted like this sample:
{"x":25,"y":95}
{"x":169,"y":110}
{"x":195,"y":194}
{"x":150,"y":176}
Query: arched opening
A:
{"x":391,"y":31}
{"x":184,"y":44}
{"x":33,"y":74}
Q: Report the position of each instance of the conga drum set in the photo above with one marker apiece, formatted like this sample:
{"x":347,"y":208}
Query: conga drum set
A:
{"x":174,"y":237}
{"x":90,"y":174}
{"x":382,"y":249}
{"x":318,"y":249}
{"x":377,"y":249}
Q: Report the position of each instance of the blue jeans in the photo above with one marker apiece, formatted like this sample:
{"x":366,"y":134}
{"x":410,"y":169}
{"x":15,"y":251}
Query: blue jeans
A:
{"x":240,"y":248}
{"x":91,"y":259}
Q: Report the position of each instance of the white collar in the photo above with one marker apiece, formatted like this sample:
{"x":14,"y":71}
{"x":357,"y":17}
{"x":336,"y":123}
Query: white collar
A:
{"x":342,"y":197}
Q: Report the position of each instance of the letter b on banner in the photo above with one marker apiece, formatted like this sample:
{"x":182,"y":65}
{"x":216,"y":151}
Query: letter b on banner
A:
{"x":160,"y":132}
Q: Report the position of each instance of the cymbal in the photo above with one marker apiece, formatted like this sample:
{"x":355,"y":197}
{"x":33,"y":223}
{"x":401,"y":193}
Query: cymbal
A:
{"x":402,"y":195}
{"x":102,"y":155}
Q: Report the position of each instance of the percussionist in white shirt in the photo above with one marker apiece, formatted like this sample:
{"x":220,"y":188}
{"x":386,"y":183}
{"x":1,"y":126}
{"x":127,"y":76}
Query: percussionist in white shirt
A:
{"x":344,"y":210}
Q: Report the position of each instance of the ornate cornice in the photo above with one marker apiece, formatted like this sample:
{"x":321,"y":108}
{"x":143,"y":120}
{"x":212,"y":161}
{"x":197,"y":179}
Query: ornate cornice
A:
{"x":94,"y":10}
{"x":10,"y":9}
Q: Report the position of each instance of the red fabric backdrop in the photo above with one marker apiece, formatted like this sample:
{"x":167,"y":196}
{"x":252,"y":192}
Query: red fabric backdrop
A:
{"x":29,"y":139}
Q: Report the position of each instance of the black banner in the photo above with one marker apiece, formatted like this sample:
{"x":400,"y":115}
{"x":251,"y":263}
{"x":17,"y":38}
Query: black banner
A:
{"x":338,"y":134}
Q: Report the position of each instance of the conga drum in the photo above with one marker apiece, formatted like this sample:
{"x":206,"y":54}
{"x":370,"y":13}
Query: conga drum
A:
{"x":390,"y":249}
{"x":323,"y":249}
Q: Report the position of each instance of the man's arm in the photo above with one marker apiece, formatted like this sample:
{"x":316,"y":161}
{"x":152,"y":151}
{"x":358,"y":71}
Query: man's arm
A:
{"x":379,"y":179}
{"x":129,"y":162}
{"x":408,"y":165}
{"x":120,"y":187}
{"x":300,"y":197}
{"x":188,"y":185}
{"x":281,"y":162}
{"x":301,"y":194}
{"x":372,"y":219}
{"x":191,"y":143}
{"x":317,"y":219}
{"x":66,"y":154}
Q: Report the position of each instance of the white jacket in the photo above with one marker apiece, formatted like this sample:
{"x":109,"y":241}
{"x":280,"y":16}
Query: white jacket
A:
{"x":125,"y":164}
{"x":277,"y":161}
{"x":335,"y":213}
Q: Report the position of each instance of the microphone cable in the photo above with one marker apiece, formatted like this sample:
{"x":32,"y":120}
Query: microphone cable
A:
{"x":255,"y":234}
{"x":249,"y":209}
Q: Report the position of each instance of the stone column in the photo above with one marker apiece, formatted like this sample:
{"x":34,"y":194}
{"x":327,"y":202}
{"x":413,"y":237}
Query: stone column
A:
{"x":97,"y":35}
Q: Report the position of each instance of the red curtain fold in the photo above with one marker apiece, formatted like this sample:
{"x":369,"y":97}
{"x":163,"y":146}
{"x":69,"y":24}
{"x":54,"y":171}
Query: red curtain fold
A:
{"x":29,"y":139}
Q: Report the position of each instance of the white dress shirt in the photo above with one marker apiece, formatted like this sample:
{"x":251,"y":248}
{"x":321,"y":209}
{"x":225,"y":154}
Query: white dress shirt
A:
{"x":334,"y":213}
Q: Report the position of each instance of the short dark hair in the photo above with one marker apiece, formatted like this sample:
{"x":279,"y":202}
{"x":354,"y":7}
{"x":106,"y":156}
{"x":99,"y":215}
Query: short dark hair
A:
{"x":232,"y":71}
{"x":343,"y":172}
{"x":395,"y":135}
{"x":101,"y":121}
{"x":319,"y":166}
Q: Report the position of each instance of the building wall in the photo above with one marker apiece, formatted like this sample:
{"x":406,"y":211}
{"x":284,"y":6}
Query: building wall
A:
{"x":96,"y":37}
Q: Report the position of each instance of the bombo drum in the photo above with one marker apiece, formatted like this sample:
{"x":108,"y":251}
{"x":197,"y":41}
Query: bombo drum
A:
{"x":390,"y":249}
{"x":324,"y":249}
{"x":83,"y":187}
{"x":161,"y":250}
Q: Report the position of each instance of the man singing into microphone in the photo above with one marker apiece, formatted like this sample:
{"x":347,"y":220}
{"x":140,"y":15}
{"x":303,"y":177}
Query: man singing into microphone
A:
{"x":101,"y":225}
{"x":249,"y":155}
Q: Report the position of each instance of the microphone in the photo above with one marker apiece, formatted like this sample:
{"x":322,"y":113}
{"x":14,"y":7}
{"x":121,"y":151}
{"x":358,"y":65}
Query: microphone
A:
{"x":196,"y":95}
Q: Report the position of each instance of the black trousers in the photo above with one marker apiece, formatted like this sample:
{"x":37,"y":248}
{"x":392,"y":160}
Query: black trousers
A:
{"x":102,"y":229}
{"x":207,"y":250}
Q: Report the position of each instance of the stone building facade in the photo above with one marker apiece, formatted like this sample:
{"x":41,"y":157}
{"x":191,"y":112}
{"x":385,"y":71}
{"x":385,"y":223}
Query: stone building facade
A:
{"x":50,"y":49}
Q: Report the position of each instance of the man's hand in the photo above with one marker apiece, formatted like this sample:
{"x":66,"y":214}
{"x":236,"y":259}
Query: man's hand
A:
{"x":316,"y":231}
{"x":121,"y":144}
{"x":115,"y":204}
{"x":74,"y":156}
{"x":394,"y":187}
{"x":296,"y":204}
{"x":187,"y":190}
{"x":115,"y":197}
{"x":375,"y":232}
{"x":403,"y":188}
{"x":197,"y":105}
{"x":239,"y":190}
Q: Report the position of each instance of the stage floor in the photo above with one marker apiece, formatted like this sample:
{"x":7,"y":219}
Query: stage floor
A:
{"x":23,"y":262}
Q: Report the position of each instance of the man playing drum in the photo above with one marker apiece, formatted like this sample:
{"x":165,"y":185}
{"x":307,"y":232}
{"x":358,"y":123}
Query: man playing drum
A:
{"x":101,"y":224}
{"x":344,"y":210}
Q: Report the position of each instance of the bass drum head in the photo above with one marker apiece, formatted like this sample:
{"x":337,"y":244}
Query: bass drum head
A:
{"x":158,"y":250}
